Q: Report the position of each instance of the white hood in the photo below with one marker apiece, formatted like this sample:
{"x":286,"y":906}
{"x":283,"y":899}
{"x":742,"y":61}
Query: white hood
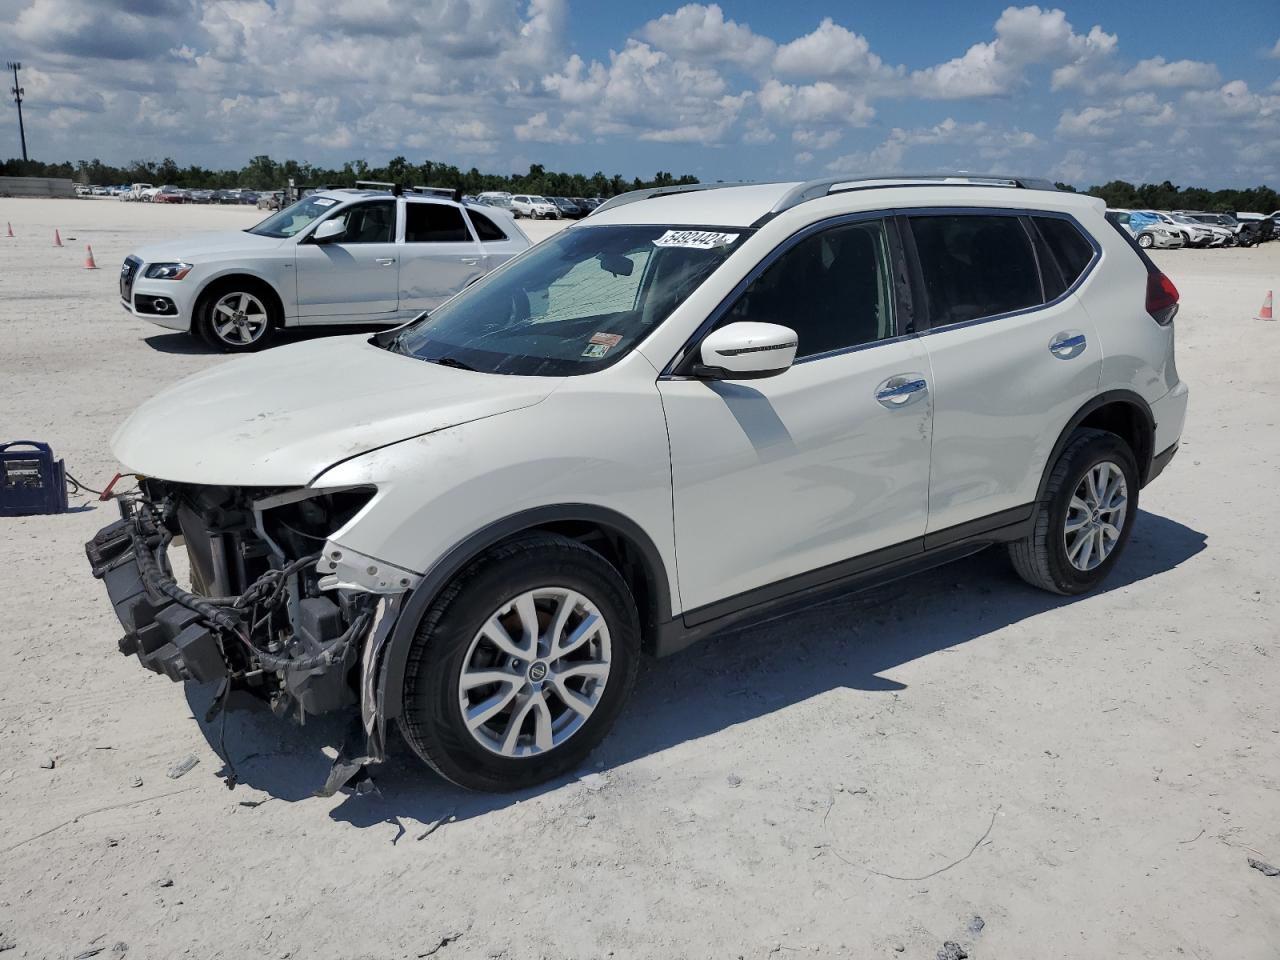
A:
{"x":282,"y":417}
{"x":205,"y":245}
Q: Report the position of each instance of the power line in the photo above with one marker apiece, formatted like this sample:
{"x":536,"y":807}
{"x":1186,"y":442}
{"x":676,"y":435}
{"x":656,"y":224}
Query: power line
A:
{"x":17,"y":92}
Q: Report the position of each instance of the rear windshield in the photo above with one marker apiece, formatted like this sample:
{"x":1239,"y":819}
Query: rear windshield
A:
{"x":573,"y":304}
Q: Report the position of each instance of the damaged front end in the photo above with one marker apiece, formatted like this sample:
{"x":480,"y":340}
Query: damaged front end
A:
{"x":275,"y":608}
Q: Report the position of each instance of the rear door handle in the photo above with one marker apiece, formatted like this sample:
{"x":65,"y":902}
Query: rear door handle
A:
{"x":900,"y":390}
{"x":1068,"y":344}
{"x":470,"y":261}
{"x":385,"y":261}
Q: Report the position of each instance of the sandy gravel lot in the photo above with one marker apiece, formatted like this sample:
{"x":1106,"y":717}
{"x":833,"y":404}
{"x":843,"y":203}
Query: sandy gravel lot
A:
{"x":1101,"y":768}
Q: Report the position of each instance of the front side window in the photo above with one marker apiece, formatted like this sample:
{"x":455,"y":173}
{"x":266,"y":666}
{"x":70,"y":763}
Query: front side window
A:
{"x":834,"y":289}
{"x":975,"y":266}
{"x":573,"y":304}
{"x":434,"y":223}
{"x":368,"y":222}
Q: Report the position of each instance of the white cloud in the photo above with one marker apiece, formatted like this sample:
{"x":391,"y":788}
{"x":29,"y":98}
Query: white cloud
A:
{"x":700,"y":32}
{"x":1025,"y":36}
{"x":820,"y":102}
{"x":832,"y":51}
{"x":644,"y":93}
{"x":1153,"y":73}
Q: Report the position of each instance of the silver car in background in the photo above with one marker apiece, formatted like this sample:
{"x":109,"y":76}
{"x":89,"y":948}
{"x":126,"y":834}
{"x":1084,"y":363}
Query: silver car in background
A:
{"x":334,"y":257}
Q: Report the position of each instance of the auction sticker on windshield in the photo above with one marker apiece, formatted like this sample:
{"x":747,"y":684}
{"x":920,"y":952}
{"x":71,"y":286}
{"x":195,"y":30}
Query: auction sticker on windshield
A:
{"x":600,"y":344}
{"x":694,"y":239}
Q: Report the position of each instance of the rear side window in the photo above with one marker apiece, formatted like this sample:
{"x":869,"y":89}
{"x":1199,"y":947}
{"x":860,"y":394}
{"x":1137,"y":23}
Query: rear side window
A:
{"x":975,"y":266}
{"x":486,"y":229}
{"x":1072,"y":251}
{"x":434,"y":223}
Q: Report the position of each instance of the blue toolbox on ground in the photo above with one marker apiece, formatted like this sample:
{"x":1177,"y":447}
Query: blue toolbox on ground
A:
{"x":31,"y":481}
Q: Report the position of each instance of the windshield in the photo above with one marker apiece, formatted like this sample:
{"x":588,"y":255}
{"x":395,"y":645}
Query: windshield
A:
{"x":294,"y":218}
{"x":573,"y":304}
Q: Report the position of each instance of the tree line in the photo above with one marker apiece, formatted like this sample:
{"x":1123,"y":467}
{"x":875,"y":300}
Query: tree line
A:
{"x":264,"y":173}
{"x":1166,"y":196}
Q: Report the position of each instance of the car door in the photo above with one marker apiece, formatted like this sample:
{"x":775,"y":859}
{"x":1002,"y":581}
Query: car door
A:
{"x":1012,"y":356}
{"x":355,"y":276}
{"x":439,"y":257}
{"x":776,"y":478}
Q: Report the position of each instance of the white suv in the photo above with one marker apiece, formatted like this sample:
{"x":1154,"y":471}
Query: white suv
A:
{"x":523,"y":205}
{"x":335,"y":256}
{"x":695,"y":406}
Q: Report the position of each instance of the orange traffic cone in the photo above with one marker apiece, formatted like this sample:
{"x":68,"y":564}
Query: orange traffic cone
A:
{"x":57,"y":238}
{"x":1265,"y":312}
{"x":88,"y":260}
{"x":10,"y":226}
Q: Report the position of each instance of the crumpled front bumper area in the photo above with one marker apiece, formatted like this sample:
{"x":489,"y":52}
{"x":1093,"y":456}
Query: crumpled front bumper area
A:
{"x":264,"y":620}
{"x":166,"y":636}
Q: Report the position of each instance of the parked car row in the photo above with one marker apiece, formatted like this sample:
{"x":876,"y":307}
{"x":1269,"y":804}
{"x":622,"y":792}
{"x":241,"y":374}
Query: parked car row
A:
{"x":1196,"y":228}
{"x":537,"y":207}
{"x":148,"y":193}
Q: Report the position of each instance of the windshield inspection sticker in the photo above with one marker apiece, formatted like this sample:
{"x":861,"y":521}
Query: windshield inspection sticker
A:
{"x":324,"y":201}
{"x":600,"y":344}
{"x":694,"y":239}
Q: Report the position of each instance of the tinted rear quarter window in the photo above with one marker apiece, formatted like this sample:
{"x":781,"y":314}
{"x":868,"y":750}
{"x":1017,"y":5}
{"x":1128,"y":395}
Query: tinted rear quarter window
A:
{"x":975,"y":266}
{"x":1070,"y":249}
{"x":486,"y":229}
{"x":434,"y":223}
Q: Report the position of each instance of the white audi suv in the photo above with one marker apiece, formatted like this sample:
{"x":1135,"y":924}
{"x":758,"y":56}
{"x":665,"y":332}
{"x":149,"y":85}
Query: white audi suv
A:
{"x":335,"y":256}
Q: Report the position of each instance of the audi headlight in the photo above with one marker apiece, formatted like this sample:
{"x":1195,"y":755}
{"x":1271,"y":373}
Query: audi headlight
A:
{"x":167,"y":271}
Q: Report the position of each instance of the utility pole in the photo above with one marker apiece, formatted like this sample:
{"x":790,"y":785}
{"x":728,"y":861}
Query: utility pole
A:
{"x":17,"y":92}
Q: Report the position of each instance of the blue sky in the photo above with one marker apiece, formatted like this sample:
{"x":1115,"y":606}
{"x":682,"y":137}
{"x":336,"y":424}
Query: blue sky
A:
{"x":1082,"y":92}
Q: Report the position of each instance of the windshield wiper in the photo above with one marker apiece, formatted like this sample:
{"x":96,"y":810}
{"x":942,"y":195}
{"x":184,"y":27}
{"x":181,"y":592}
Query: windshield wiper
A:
{"x":452,"y":362}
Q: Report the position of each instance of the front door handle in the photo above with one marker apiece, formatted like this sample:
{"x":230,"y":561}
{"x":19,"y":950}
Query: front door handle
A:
{"x":1068,"y":344}
{"x":471,"y":261}
{"x":900,"y":390}
{"x":385,"y":261}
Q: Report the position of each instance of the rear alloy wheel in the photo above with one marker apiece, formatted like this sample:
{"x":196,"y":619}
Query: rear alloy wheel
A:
{"x":521,"y":664}
{"x":1084,"y":520}
{"x":237,"y":319}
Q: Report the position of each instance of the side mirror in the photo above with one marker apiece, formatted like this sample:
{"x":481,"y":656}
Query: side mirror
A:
{"x":329,"y":231}
{"x":746,"y":351}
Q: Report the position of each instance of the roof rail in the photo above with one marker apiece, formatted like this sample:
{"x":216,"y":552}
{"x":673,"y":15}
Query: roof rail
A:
{"x":395,"y":188}
{"x":452,"y":193}
{"x":814,"y":189}
{"x":632,"y":196}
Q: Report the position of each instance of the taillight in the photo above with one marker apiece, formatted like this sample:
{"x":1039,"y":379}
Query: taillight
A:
{"x":1162,"y":297}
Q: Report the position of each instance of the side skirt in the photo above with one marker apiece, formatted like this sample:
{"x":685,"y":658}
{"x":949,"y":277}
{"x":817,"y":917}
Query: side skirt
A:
{"x":848,"y":576}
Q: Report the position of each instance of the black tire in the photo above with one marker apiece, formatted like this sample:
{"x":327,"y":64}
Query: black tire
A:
{"x":261,"y":293}
{"x":432,"y":719}
{"x":1041,"y":557}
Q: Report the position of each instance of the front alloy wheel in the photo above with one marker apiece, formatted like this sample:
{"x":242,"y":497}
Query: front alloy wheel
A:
{"x":240,"y":319}
{"x":521,"y":664}
{"x":535,"y":672}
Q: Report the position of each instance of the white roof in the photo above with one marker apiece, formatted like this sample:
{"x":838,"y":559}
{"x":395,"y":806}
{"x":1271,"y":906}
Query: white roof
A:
{"x":722,"y":207}
{"x":741,"y":206}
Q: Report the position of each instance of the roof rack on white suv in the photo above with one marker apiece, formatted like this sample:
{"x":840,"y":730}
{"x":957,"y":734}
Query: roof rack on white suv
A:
{"x":813,"y":189}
